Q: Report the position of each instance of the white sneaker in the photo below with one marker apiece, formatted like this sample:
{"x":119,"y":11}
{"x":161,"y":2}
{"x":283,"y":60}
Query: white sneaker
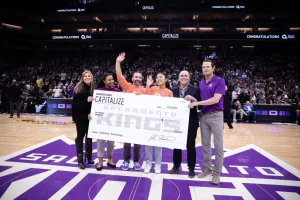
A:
{"x":157,"y":169}
{"x":147,"y":168}
{"x":234,"y":120}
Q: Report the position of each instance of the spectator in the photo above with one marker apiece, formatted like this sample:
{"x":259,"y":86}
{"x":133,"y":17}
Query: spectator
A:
{"x":57,"y":92}
{"x":237,"y":109}
{"x":298,"y":113}
{"x":249,"y":109}
{"x":14,"y":92}
{"x":39,"y":82}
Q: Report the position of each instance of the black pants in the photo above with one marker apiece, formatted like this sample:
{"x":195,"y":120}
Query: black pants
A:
{"x":12,"y":103}
{"x":127,"y":155}
{"x":191,"y":150}
{"x":227,"y":116}
{"x":82,"y":131}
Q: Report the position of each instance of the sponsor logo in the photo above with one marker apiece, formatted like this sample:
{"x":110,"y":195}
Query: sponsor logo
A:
{"x":228,"y":7}
{"x":175,"y":36}
{"x":61,"y":106}
{"x":148,"y":8}
{"x":286,"y":37}
{"x":71,"y":37}
{"x":71,"y":10}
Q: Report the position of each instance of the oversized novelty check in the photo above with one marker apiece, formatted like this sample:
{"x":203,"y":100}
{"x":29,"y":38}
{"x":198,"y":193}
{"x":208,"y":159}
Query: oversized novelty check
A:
{"x":139,"y":119}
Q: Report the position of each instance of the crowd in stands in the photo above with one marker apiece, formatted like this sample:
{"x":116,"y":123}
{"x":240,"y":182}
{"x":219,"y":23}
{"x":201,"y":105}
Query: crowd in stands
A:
{"x":259,"y":79}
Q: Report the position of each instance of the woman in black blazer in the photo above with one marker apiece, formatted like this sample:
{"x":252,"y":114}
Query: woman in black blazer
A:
{"x":81,"y":108}
{"x":191,"y":93}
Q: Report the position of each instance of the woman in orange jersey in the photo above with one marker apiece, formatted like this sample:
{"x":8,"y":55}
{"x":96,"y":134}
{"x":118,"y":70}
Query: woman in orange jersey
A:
{"x":162,"y":89}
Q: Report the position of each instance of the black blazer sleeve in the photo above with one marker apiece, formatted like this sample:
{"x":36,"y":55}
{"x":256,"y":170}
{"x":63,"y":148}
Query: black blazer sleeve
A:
{"x":79,"y":101}
{"x":194,"y":92}
{"x":197,"y":94}
{"x":80,"y":107}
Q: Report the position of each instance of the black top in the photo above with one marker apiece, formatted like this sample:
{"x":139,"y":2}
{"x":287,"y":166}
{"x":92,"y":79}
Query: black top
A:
{"x":227,"y":101}
{"x":14,"y":92}
{"x":194,"y":92}
{"x":80,"y":106}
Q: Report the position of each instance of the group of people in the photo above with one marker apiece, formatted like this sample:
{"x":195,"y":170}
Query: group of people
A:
{"x":209,"y":96}
{"x":251,"y":76}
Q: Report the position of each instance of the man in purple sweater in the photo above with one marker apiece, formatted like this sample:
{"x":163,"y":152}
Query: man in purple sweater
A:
{"x":212,"y":91}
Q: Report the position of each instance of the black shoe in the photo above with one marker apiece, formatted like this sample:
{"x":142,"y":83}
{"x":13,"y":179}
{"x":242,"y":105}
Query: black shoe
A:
{"x":18,"y":116}
{"x":231,"y":127}
{"x":80,"y":161}
{"x":10,"y":116}
{"x":89,"y":158}
{"x":81,"y":165}
{"x":174,"y":170}
{"x":99,"y":168}
{"x":191,"y":174}
{"x":111,"y":165}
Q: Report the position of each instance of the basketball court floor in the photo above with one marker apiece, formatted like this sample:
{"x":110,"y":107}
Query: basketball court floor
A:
{"x":38,"y":161}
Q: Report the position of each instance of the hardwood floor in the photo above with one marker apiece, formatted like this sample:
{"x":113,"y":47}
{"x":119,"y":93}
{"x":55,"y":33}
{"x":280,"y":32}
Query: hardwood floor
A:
{"x":282,"y":141}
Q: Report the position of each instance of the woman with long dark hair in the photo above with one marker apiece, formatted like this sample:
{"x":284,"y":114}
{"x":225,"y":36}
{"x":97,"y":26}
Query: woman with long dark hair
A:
{"x":162,"y":89}
{"x":106,"y":83}
{"x":81,"y":108}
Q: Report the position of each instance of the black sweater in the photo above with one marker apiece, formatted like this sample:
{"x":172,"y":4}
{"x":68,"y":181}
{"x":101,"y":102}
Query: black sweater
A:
{"x":14,"y":92}
{"x":80,"y":106}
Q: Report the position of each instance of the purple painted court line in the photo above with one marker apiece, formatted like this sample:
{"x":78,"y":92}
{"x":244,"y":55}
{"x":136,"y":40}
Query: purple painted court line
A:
{"x":261,"y":191}
{"x":221,"y":197}
{"x":3,"y":168}
{"x":255,"y":165}
{"x":5,"y":181}
{"x":48,"y":186}
{"x":93,"y":183}
{"x":179,"y":189}
{"x":61,"y":154}
{"x":248,"y":173}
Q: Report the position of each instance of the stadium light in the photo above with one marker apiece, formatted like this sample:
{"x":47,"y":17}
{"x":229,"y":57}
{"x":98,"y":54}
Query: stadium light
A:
{"x":263,"y":29}
{"x":56,"y":30}
{"x":247,"y":17}
{"x":244,"y":29}
{"x":188,"y":28}
{"x":82,"y":30}
{"x":295,"y":29}
{"x":97,"y":19}
{"x":12,"y":26}
{"x":150,"y":28}
{"x":206,"y":29}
